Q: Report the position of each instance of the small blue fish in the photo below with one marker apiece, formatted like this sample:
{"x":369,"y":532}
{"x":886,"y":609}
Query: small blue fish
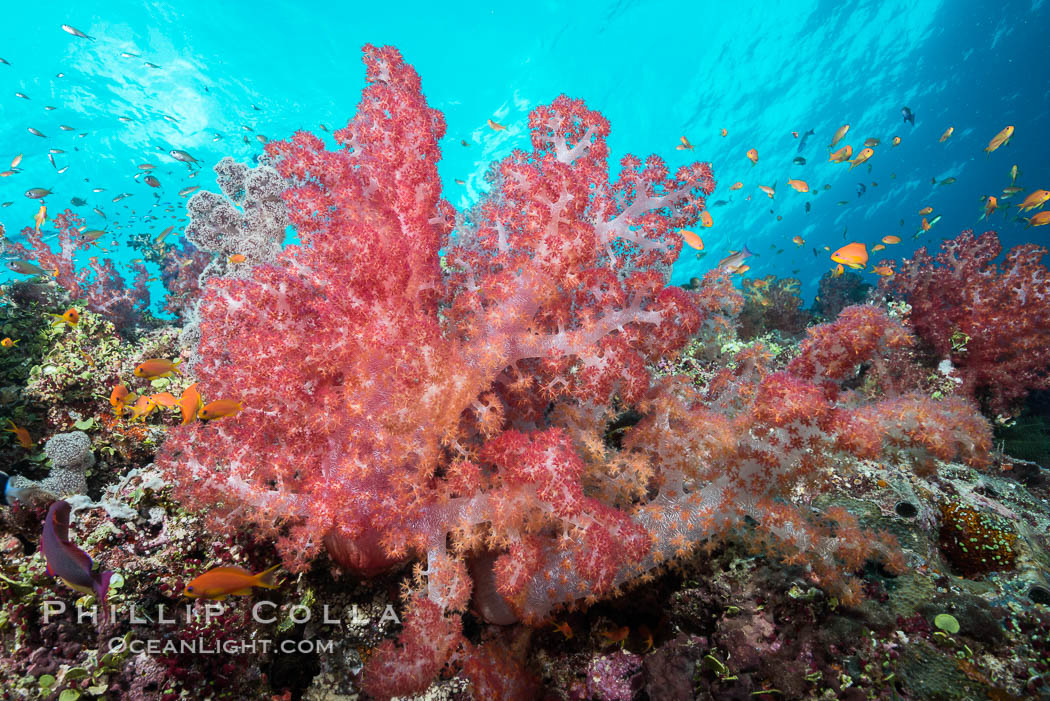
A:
{"x":66,"y":561}
{"x":9,"y":494}
{"x":802,"y":143}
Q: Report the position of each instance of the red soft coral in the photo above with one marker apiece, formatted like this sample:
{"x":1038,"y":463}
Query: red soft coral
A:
{"x":379,"y":381}
{"x":992,"y":320}
{"x":99,"y":284}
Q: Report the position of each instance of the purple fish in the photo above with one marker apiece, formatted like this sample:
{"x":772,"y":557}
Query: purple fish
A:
{"x":66,"y":561}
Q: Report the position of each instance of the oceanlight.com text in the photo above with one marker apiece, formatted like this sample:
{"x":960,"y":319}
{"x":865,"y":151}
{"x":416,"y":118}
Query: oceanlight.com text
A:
{"x":226,"y":647}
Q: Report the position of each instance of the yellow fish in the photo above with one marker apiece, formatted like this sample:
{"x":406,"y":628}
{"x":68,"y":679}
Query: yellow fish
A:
{"x":946,"y":134}
{"x":838,"y":135}
{"x":999,"y":139}
{"x":1034,"y":200}
{"x":71,"y":316}
{"x":1040,"y":219}
{"x":864,"y":155}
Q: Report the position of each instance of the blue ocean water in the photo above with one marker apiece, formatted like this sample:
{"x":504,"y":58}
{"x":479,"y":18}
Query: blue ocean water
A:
{"x":202,"y":76}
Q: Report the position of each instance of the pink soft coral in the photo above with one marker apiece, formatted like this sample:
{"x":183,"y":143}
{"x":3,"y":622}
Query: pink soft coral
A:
{"x":368,"y":373}
{"x":992,"y":320}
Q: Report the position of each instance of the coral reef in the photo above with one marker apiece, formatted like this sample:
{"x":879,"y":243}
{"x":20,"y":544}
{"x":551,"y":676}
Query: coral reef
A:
{"x":771,"y":303}
{"x":100,"y":285}
{"x":992,"y":320}
{"x":606,"y":488}
{"x":472,"y":437}
{"x":835,"y":293}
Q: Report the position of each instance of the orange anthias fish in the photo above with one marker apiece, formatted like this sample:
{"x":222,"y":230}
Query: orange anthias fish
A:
{"x":120,"y":397}
{"x":926,"y":210}
{"x":864,"y":155}
{"x":1034,"y":200}
{"x":190,"y":403}
{"x":164,"y":399}
{"x":40,"y":217}
{"x":799,"y":241}
{"x":768,"y":190}
{"x":21,"y":434}
{"x":854,"y":255}
{"x":705,"y":219}
{"x":999,"y":139}
{"x":752,"y":156}
{"x":685,"y":145}
{"x":644,"y":632}
{"x":725,"y":132}
{"x":891,"y":239}
{"x":142,"y":408}
{"x":871,"y":143}
{"x":925,"y":224}
{"x":496,"y":126}
{"x":1040,"y":219}
{"x":237,"y":258}
{"x":843,"y":154}
{"x":877,"y":247}
{"x":883,"y":270}
{"x":157,"y":367}
{"x":736,"y":186}
{"x":990,"y":205}
{"x":618,"y":635}
{"x":9,"y":342}
{"x":947,"y":133}
{"x":896,"y":141}
{"x":71,"y":316}
{"x":564,"y":628}
{"x":799,"y":185}
{"x":692,"y":239}
{"x":838,"y":271}
{"x":838,"y":135}
{"x":742,"y":269}
{"x":219,"y":408}
{"x":218,"y":583}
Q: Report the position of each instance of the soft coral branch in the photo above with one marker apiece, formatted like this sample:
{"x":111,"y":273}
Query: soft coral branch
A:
{"x":99,"y":284}
{"x":991,"y":319}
